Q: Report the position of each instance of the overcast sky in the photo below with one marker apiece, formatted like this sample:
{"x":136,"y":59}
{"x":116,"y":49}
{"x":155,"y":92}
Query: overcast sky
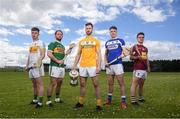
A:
{"x":158,"y":19}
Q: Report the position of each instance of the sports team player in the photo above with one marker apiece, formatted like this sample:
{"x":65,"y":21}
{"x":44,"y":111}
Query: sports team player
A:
{"x":139,"y":54}
{"x":113,"y":49}
{"x":56,"y":52}
{"x":89,"y":55}
{"x":35,"y":67}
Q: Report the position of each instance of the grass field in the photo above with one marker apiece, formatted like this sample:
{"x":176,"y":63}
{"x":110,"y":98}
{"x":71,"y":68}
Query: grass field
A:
{"x":161,"y":93}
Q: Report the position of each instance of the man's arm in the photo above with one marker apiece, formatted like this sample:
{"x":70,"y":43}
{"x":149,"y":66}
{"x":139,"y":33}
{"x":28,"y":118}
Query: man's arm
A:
{"x":51,"y":56}
{"x":132,"y":57}
{"x":42,"y":55}
{"x":27,"y":64}
{"x":105,"y":58}
{"x":148,"y":65}
{"x":78,"y":55}
{"x":98,"y":52}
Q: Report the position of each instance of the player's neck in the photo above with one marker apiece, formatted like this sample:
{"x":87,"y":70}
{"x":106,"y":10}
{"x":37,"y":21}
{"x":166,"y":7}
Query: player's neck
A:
{"x":140,"y":43}
{"x":112,"y":38}
{"x":89,"y":35}
{"x":58,"y":40}
{"x":35,"y":39}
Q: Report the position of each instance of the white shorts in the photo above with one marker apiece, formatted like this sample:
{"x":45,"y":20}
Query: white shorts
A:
{"x":36,"y":72}
{"x":87,"y":71}
{"x":116,"y":69}
{"x":56,"y":72}
{"x":140,"y":74}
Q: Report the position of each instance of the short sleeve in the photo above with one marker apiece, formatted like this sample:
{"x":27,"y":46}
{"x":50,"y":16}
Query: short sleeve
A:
{"x":122,"y":42}
{"x":51,"y":47}
{"x":42,"y":45}
{"x":105,"y":45}
{"x":97,"y":44}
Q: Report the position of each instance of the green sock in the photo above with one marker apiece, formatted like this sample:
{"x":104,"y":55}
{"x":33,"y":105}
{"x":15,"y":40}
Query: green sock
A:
{"x":57,"y":95}
{"x":40,"y":99}
{"x":35,"y":97}
{"x":48,"y":98}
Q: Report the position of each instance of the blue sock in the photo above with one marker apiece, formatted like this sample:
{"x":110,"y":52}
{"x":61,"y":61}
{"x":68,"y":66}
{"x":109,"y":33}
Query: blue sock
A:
{"x":109,"y":97}
{"x":123,"y":98}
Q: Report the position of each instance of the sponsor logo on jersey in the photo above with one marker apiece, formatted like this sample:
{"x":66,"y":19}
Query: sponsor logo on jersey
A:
{"x":88,"y":44}
{"x":58,"y":50}
{"x":111,"y":47}
{"x":113,"y":42}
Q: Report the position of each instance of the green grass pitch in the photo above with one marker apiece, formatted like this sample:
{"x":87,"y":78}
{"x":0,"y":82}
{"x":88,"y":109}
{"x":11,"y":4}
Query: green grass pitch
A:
{"x":162,"y":93}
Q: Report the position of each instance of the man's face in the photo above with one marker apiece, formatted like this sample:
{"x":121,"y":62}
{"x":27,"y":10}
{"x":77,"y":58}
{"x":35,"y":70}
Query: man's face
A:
{"x":35,"y":35}
{"x":88,"y":30}
{"x":140,"y":38}
{"x":113,"y":33}
{"x":59,"y":35}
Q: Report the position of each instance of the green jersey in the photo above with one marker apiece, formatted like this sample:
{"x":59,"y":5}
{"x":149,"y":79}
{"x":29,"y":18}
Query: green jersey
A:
{"x":58,"y":50}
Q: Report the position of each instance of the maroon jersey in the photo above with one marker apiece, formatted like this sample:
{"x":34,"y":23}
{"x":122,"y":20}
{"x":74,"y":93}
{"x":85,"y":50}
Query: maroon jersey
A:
{"x":142,"y":51}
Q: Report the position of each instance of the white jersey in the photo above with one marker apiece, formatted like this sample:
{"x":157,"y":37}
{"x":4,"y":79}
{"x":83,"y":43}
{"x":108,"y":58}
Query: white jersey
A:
{"x":34,"y":52}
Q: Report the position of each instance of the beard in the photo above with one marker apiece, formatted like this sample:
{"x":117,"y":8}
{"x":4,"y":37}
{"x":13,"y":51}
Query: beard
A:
{"x":88,"y":33}
{"x":59,"y":39}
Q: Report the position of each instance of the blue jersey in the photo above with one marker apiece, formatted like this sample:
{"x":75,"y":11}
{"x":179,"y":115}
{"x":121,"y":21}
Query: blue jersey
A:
{"x":114,"y":49}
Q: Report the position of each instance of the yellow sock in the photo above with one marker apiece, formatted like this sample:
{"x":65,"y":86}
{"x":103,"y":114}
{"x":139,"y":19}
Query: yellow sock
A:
{"x":81,"y":100}
{"x":98,"y":102}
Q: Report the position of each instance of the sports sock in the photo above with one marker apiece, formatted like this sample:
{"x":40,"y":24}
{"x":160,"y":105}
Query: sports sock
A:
{"x":123,"y":98}
{"x":35,"y":97}
{"x":133,"y":99}
{"x":81,"y":100}
{"x":98,"y":102}
{"x":57,"y":95}
{"x":40,"y":99}
{"x":109,"y":97}
{"x":49,"y":97}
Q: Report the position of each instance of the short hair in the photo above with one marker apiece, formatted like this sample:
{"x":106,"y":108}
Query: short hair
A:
{"x":113,"y":27}
{"x":35,"y":29}
{"x":140,"y":33}
{"x":58,"y":31}
{"x":89,"y":23}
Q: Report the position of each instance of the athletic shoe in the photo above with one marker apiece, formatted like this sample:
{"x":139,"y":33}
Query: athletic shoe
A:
{"x":78,"y":105}
{"x":33,"y":102}
{"x":49,"y":104}
{"x":38,"y":105}
{"x":123,"y":105}
{"x":98,"y":108}
{"x":58,"y":100}
{"x":141,"y":100}
{"x":135,"y":104}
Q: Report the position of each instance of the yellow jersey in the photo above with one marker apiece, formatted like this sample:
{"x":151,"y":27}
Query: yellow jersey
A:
{"x":89,"y":46}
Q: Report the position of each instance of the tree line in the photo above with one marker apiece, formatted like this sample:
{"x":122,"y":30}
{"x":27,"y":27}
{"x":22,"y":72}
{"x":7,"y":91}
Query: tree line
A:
{"x":158,"y":65}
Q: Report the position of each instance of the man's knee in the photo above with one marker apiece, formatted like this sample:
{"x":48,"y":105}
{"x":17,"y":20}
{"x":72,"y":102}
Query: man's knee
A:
{"x":110,"y":83}
{"x":82,"y":84}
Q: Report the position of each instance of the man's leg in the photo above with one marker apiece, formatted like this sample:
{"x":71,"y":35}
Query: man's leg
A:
{"x":120,"y":79}
{"x":34,"y":101}
{"x":83,"y":81}
{"x":51,"y":86}
{"x":97,"y":92}
{"x":110,"y":89}
{"x":141,"y":85}
{"x":40,"y":87}
{"x":58,"y":90}
{"x":134,"y":85}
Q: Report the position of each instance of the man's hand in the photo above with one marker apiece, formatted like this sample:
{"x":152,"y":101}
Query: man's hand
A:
{"x":106,"y":64}
{"x":148,"y":69}
{"x":39,"y":62}
{"x":26,"y":68}
{"x":60,"y":61}
{"x":98,"y":70}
